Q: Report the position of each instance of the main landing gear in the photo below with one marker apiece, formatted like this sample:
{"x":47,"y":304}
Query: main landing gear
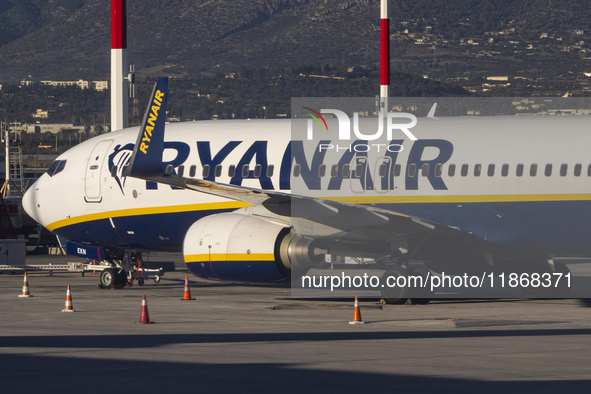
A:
{"x":115,"y":278}
{"x":399,"y":285}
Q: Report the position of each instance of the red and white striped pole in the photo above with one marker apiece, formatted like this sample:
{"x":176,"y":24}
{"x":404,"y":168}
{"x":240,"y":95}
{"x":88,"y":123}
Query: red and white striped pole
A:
{"x":119,"y":100}
{"x":384,"y":56}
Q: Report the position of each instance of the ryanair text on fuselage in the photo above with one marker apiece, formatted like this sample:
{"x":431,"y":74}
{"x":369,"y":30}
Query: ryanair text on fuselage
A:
{"x":295,"y":154}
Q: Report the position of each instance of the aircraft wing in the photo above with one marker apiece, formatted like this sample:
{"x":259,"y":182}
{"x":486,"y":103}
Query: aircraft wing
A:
{"x":358,"y":222}
{"x":146,"y":163}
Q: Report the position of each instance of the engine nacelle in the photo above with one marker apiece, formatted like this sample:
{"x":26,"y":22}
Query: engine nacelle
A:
{"x":234,"y":246}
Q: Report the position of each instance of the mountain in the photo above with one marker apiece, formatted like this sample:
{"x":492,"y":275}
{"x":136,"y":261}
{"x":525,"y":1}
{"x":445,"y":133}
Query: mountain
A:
{"x":61,"y":39}
{"x":65,"y":38}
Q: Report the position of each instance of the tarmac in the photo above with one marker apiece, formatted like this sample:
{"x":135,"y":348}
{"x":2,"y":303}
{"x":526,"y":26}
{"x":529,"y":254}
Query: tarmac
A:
{"x":256,"y":338}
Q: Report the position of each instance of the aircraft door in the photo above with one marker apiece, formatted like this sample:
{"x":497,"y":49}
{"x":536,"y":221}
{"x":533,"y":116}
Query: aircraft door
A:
{"x":92,"y":178}
{"x":358,"y":174}
{"x":384,"y":176}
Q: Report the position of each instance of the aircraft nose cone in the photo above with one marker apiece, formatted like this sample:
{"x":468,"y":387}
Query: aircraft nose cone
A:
{"x":30,"y":203}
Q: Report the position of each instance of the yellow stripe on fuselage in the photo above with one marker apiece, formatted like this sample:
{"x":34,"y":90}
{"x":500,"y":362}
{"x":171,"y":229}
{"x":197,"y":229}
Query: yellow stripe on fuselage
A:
{"x":362,"y":200}
{"x":459,"y":199}
{"x":200,"y":258}
{"x":146,"y":211}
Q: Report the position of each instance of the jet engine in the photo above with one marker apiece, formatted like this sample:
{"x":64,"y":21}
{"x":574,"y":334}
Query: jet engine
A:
{"x":235,"y":246}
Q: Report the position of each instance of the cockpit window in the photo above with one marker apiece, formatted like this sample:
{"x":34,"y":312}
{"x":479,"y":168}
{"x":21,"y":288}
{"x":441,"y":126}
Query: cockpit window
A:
{"x":56,"y":167}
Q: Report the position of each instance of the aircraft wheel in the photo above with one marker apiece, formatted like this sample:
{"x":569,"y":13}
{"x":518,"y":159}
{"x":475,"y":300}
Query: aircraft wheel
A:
{"x":297,"y":273}
{"x":421,"y":295}
{"x":107,"y":279}
{"x":556,"y":290}
{"x":562,"y":289}
{"x":393,"y":294}
{"x":120,"y":279}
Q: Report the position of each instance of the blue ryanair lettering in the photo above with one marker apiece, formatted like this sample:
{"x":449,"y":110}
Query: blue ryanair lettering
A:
{"x":415,"y":157}
{"x":295,"y":153}
{"x":309,"y":170}
{"x":258,"y":151}
{"x":182,"y":154}
{"x":204,"y":149}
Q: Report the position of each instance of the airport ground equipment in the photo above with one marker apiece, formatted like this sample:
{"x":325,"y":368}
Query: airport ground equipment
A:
{"x":118,"y":270}
{"x":108,"y":273}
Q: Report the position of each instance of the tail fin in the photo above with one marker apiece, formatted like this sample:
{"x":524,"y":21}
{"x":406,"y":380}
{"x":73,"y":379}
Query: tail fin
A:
{"x":146,"y":159}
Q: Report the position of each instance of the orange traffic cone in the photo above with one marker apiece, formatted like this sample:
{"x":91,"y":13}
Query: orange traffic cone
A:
{"x":144,"y":315}
{"x":25,"y":287}
{"x":187,"y":293}
{"x":68,"y":307}
{"x":356,"y":314}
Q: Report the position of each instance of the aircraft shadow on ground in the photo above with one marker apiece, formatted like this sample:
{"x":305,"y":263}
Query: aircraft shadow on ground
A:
{"x":23,"y":373}
{"x":155,"y":340}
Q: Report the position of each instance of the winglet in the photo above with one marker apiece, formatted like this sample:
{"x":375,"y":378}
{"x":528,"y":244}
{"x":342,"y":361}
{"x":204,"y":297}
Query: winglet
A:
{"x":146,"y":159}
{"x":431,"y":113}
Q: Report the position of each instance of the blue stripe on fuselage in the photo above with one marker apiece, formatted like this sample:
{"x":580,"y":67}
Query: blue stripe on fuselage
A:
{"x":161,"y":231}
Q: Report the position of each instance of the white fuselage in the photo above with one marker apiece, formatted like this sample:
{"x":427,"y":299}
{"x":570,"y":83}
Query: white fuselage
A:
{"x":503,"y":179}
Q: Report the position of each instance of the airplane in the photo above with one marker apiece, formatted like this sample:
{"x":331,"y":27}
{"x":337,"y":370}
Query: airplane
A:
{"x":243,"y":200}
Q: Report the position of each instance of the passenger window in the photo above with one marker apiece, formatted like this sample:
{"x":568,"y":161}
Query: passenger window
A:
{"x":397,"y":170}
{"x":578,"y":169}
{"x":231,"y":170}
{"x":438,"y":170}
{"x":382,"y":171}
{"x":346,"y":170}
{"x":412,"y":170}
{"x":181,"y":170}
{"x":425,"y":169}
{"x":322,"y":170}
{"x":451,"y":170}
{"x":205,"y":171}
{"x":589,"y":170}
{"x":563,"y":169}
{"x":533,"y":170}
{"x":548,"y":170}
{"x":519,"y":170}
{"x":245,"y":171}
{"x":477,"y":169}
{"x":505,"y":170}
{"x":297,"y":169}
{"x":257,"y":170}
{"x":218,"y":170}
{"x":491,"y":170}
{"x":270,"y":169}
{"x":464,"y":170}
{"x":334,"y":170}
{"x":192,"y":171}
